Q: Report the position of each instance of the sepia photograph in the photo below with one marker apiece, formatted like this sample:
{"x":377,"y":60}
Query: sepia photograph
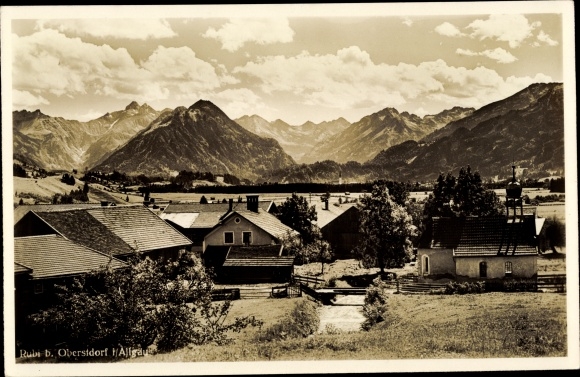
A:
{"x":289,"y":188}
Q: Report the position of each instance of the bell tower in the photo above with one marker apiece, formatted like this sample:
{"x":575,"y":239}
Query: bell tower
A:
{"x":513,"y":199}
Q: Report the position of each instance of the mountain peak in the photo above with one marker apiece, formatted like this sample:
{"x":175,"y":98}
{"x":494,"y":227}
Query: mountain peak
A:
{"x":132,"y":106}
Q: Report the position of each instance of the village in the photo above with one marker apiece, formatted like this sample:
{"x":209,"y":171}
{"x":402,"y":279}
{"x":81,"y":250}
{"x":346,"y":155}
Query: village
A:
{"x":248,"y":249}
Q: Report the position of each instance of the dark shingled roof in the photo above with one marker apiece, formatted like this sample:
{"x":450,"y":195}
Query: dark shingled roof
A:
{"x":208,"y":215}
{"x":118,"y":230}
{"x":139,"y":227}
{"x":245,"y":252}
{"x":494,"y":235}
{"x":79,"y":226}
{"x":269,"y":255}
{"x":22,"y":210}
{"x":54,"y":256}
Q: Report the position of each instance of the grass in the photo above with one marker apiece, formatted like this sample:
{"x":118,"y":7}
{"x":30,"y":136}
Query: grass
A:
{"x":491,"y":325}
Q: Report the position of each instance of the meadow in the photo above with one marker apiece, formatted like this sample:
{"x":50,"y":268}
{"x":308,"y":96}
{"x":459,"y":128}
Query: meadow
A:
{"x":489,"y":325}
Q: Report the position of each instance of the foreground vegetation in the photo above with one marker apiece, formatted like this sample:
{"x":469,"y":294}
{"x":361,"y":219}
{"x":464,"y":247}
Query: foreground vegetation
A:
{"x":490,"y":325}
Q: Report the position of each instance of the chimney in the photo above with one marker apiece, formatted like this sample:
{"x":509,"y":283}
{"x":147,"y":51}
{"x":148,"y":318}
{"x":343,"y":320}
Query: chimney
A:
{"x":252,"y":204}
{"x":231,"y":205}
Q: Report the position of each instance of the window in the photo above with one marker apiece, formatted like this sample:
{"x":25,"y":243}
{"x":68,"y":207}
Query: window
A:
{"x":237,"y":220}
{"x":508,"y":269}
{"x":38,"y":288}
{"x":482,"y":269}
{"x":247,"y":238}
{"x":228,"y":237}
{"x":425,"y":265}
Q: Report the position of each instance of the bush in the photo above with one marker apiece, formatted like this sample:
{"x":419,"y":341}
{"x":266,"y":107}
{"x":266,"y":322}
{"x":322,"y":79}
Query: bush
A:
{"x":462,"y":288}
{"x":300,"y":323}
{"x":148,"y":303}
{"x":374,"y":307}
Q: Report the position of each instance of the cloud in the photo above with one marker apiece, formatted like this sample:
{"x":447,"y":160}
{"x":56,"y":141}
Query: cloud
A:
{"x":499,"y":54}
{"x":135,"y":28}
{"x":239,"y":102}
{"x":461,"y":51}
{"x":49,"y":62}
{"x":449,"y":30}
{"x":511,"y":28}
{"x":349,"y":79}
{"x":237,"y":32}
{"x":543,"y":37}
{"x":27,"y":100}
{"x":407,"y":21}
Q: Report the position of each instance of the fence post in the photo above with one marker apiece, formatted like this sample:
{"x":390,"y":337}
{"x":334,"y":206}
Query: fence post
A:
{"x":397,"y":285}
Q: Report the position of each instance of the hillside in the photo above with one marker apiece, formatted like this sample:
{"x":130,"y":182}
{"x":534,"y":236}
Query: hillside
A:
{"x":198,"y":138}
{"x":55,"y":143}
{"x":526,"y":128}
{"x":364,"y":139}
{"x":296,"y":140}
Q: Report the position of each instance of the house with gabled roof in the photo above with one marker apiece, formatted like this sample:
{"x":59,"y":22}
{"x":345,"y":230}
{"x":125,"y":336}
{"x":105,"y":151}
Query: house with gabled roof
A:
{"x":40,"y":263}
{"x":244,"y":230}
{"x":118,"y":231}
{"x":196,"y":220}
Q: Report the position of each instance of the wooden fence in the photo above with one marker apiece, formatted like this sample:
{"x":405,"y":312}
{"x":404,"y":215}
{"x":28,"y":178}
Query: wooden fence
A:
{"x":307,"y":280}
{"x":552,"y":283}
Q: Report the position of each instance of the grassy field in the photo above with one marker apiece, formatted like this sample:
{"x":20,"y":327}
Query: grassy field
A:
{"x":491,"y":325}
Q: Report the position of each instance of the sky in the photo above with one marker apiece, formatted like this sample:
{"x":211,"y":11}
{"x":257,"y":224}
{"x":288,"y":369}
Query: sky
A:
{"x":295,"y":63}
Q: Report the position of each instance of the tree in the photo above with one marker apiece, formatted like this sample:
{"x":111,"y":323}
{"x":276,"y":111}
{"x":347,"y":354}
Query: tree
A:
{"x":86,"y":188}
{"x":464,"y":196}
{"x":318,"y":250}
{"x":296,"y":213}
{"x":18,"y":170}
{"x":386,"y":228}
{"x":203,"y":200}
{"x":553,"y":234}
{"x":167,"y":304}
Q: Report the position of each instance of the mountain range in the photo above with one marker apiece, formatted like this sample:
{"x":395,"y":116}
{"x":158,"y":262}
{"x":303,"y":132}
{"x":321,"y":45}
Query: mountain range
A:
{"x":526,"y":128}
{"x":198,"y":138}
{"x":296,"y":140}
{"x":55,"y":143}
{"x":364,"y":139}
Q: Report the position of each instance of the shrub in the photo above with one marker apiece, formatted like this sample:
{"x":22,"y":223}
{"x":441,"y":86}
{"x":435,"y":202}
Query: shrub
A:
{"x":144,"y":304}
{"x":301,"y":322}
{"x":374,"y":307}
{"x":462,"y":288}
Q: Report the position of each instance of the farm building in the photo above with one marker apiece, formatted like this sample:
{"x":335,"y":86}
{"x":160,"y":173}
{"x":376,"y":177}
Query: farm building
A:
{"x":196,"y":220}
{"x":40,"y":262}
{"x":242,"y":231}
{"x":342,"y":233}
{"x":118,"y":231}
